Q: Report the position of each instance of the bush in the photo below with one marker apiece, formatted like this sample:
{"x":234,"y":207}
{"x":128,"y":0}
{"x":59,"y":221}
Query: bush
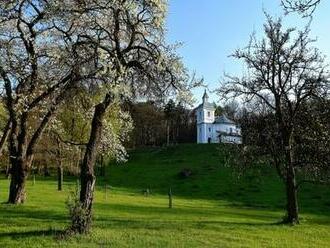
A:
{"x":80,"y":218}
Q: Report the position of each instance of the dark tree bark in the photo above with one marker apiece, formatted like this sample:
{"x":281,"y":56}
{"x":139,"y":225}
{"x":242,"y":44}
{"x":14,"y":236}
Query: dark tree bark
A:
{"x":87,"y":176}
{"x":292,"y":198}
{"x":59,"y":164}
{"x":17,"y":183}
{"x":287,"y":141}
{"x":291,"y":184}
{"x":59,"y":176}
{"x":3,"y":140}
{"x":5,"y":134}
{"x":22,"y":151}
{"x":18,"y":160}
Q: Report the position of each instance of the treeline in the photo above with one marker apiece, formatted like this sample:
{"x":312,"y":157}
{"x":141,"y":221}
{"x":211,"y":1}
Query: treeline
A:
{"x":61,"y":148}
{"x":157,"y":125}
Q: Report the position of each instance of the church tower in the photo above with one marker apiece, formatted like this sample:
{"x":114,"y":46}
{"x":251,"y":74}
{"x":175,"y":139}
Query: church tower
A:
{"x":205,"y":97}
{"x":205,"y":119}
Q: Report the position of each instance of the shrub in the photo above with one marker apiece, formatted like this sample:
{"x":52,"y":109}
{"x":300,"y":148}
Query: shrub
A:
{"x":80,"y":219}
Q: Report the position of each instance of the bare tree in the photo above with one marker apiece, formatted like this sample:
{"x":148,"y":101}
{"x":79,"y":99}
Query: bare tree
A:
{"x":285,"y":71}
{"x":304,"y":7}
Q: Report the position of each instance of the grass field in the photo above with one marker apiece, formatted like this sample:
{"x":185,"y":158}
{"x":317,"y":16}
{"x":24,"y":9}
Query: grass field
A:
{"x":212,"y":208}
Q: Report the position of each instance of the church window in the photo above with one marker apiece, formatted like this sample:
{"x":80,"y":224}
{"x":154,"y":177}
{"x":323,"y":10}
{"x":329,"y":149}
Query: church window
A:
{"x":208,"y":114}
{"x":209,"y":129}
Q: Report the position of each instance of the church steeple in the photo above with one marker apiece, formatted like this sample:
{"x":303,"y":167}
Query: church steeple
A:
{"x":205,"y":97}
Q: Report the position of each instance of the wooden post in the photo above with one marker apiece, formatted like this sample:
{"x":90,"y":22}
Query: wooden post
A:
{"x":170,"y":205}
{"x":146,"y":192}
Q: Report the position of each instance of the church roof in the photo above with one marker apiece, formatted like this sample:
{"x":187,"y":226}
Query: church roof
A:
{"x":205,"y":95}
{"x":206,"y":105}
{"x":223,"y":119}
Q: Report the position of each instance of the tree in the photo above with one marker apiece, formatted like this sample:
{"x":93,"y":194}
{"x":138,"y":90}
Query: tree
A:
{"x":149,"y":124}
{"x":219,"y":110}
{"x":63,"y":144}
{"x":312,"y":137}
{"x":126,"y":40}
{"x":285,"y":72}
{"x":169,"y":111}
{"x":185,"y":124}
{"x":304,"y":7}
{"x":156,"y":125}
{"x":231,"y":109}
{"x":39,"y":64}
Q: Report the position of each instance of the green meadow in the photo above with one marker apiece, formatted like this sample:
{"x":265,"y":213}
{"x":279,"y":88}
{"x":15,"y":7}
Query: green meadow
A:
{"x":213,"y":207}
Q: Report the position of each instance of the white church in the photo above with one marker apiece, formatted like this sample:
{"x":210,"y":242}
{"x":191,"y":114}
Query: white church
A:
{"x":215,"y":129}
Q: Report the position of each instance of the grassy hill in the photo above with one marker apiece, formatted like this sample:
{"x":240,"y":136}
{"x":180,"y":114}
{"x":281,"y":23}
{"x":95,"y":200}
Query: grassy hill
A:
{"x":212,"y":207}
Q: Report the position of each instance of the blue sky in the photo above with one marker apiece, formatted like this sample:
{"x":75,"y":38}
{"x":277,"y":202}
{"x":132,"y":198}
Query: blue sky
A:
{"x":212,"y":29}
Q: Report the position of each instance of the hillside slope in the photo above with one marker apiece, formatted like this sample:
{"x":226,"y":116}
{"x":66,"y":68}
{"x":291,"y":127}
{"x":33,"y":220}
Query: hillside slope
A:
{"x":159,"y":169}
{"x":211,"y":208}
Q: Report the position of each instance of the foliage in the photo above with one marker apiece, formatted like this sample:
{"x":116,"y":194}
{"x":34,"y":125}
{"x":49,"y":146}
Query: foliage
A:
{"x":313,"y":142}
{"x":77,"y":213}
{"x":149,"y":125}
{"x":156,"y":125}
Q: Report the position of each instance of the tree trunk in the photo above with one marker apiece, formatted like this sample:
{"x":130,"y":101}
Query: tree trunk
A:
{"x":21,"y":154}
{"x":87,"y":177}
{"x":17,"y":183}
{"x":5,"y":134}
{"x":290,"y":180}
{"x":59,"y":176}
{"x":59,"y":165}
{"x":292,"y":199}
{"x":168,"y":134}
{"x":103,"y":166}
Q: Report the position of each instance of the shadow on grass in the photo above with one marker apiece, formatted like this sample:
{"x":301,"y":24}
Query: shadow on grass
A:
{"x":9,"y":213}
{"x":179,"y":225}
{"x":29,"y":234}
{"x":188,"y":211}
{"x":188,"y":215}
{"x":149,"y":215}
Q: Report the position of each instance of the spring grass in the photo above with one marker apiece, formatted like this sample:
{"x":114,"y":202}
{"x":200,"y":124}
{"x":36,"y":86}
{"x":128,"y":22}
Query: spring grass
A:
{"x":211,"y":208}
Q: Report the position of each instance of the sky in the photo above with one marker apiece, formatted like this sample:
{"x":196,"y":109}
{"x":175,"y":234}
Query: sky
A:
{"x":211,"y":30}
